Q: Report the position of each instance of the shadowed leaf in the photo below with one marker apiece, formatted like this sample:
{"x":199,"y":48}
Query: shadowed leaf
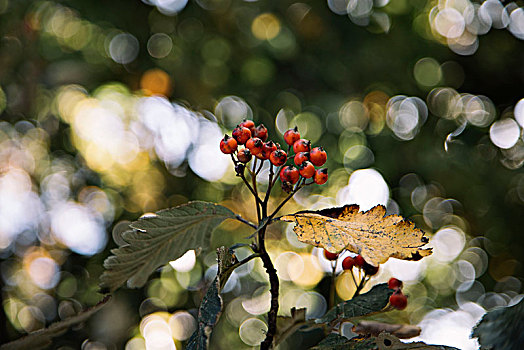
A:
{"x":374,"y":328}
{"x":43,"y":338}
{"x":386,"y":341}
{"x":501,"y":328}
{"x":287,"y":325}
{"x":373,"y":301}
{"x":156,"y":240}
{"x":211,"y":306}
{"x":372,"y":234}
{"x":337,"y":342}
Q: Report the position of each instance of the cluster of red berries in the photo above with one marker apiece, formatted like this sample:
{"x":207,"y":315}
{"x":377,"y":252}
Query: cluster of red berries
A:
{"x":349,"y":262}
{"x":255,"y":144}
{"x":398,"y":300}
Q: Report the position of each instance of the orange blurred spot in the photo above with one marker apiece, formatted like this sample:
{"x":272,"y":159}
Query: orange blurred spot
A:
{"x":156,"y":82}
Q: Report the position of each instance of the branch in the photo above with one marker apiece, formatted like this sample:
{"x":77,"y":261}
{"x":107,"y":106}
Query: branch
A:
{"x":249,"y":223}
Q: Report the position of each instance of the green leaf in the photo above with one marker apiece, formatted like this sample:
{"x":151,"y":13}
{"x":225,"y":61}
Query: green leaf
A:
{"x":373,"y":301}
{"x":211,"y":306}
{"x":286,"y":325}
{"x":501,"y":328}
{"x":337,"y":342}
{"x":156,"y":240}
{"x":43,"y":338}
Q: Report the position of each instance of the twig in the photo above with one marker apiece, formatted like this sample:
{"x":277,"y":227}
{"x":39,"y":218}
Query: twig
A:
{"x":332,"y":286}
{"x":249,"y":223}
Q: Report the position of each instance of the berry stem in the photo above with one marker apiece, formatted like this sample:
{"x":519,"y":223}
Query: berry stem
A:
{"x":361,"y":285}
{"x":332,"y":286}
{"x":249,"y":223}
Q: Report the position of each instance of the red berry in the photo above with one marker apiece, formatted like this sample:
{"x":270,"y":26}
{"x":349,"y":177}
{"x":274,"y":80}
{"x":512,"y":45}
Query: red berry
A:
{"x":241,"y":134}
{"x":369,"y":269}
{"x":255,"y":145}
{"x":347,"y":263}
{"x":278,"y":157}
{"x":228,"y":145}
{"x":301,"y":157}
{"x":291,"y":136}
{"x":244,"y":155}
{"x":261,"y":132}
{"x":267,"y":149}
{"x":301,"y":146}
{"x":359,"y":261}
{"x":394,"y":283}
{"x":321,"y":176}
{"x":398,"y":300}
{"x":318,"y":156}
{"x":307,"y":170}
{"x":289,"y":174}
{"x":330,"y":256}
{"x":246,"y":123}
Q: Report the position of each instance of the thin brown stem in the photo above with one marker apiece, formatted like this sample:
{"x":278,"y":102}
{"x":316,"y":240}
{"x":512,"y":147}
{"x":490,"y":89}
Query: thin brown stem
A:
{"x":361,"y":285}
{"x":249,"y":223}
{"x":332,"y":286}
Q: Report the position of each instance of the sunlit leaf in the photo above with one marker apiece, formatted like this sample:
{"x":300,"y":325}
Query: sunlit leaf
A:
{"x":373,"y":301}
{"x":372,"y":234}
{"x":211,"y":306}
{"x":156,"y":240}
{"x":501,"y":328}
{"x":43,"y":338}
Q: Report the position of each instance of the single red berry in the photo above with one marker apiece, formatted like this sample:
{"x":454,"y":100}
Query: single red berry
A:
{"x":330,"y":256}
{"x":301,"y":157}
{"x":347,"y":263}
{"x":246,"y":123}
{"x":241,"y":134}
{"x":289,"y":174}
{"x":321,"y":176}
{"x":369,"y":269}
{"x":359,"y":261}
{"x":261,"y":132}
{"x":268,"y":148}
{"x":398,"y":300}
{"x":318,"y":156}
{"x":228,"y":145}
{"x":291,"y":136}
{"x":307,"y":169}
{"x":255,"y":145}
{"x":278,"y":157}
{"x":394,"y":283}
{"x":301,"y":146}
{"x":244,"y":155}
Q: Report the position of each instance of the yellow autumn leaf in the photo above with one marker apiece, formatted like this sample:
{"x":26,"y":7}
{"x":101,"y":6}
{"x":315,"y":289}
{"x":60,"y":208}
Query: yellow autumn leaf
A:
{"x":371,"y":234}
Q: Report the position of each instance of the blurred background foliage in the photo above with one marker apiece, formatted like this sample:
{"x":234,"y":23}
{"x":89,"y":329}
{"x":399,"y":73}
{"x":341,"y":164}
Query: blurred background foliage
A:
{"x":109,"y":110}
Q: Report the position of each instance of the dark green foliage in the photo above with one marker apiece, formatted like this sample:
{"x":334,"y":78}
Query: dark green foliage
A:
{"x":154,"y":241}
{"x":373,"y":301}
{"x":338,"y":342}
{"x":502,"y":328}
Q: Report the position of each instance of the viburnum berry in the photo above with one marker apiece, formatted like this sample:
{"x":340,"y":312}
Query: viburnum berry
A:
{"x":244,"y":155}
{"x":241,"y":134}
{"x":348,"y":263}
{"x":359,"y":261}
{"x":255,"y":145}
{"x":246,"y":123}
{"x":301,"y":157}
{"x":307,"y":170}
{"x":278,"y":157}
{"x":394,"y":283}
{"x":317,"y":156}
{"x":302,"y":145}
{"x":330,"y":256}
{"x":268,"y":148}
{"x":228,"y":144}
{"x":291,"y":136}
{"x":321,"y":176}
{"x":398,"y":300}
{"x":261,"y":132}
{"x":289,"y":174}
{"x":369,"y":269}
